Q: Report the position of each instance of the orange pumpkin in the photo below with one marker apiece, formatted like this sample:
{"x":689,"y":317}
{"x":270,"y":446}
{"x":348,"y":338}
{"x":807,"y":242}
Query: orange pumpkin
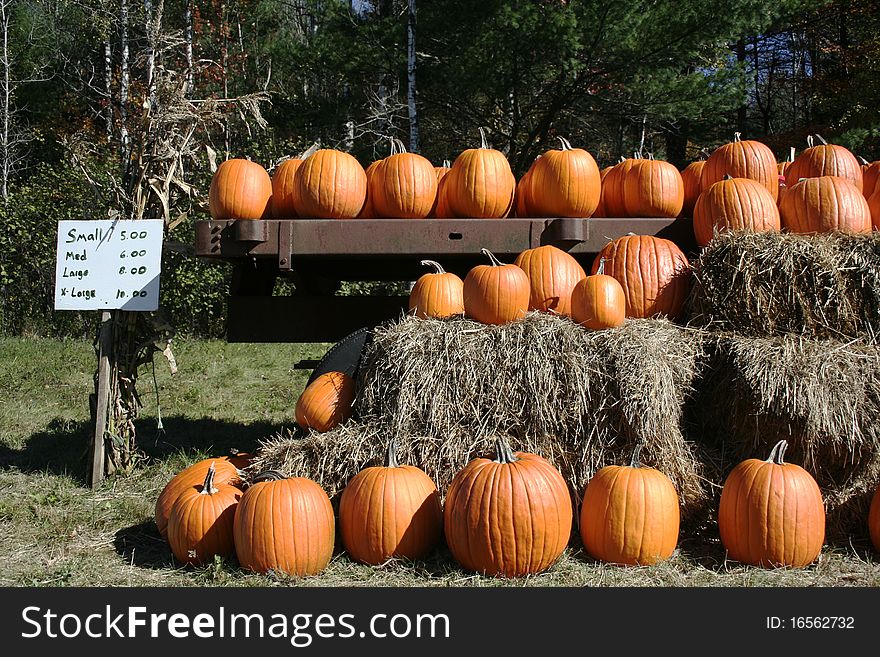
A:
{"x":742,"y":159}
{"x":825,"y":159}
{"x":552,"y":274}
{"x":326,"y":402}
{"x":510,"y":516}
{"x":331,"y":185}
{"x":200,"y":521}
{"x":284,"y":190}
{"x":874,"y":520}
{"x":771,"y":513}
{"x":369,"y":209}
{"x":600,"y":210}
{"x":522,"y":198}
{"x":496,"y":293}
{"x":284,"y":525}
{"x":564,"y":183}
{"x":439,"y":294}
{"x":653,"y":188}
{"x":734,"y":204}
{"x":406,"y":185}
{"x":783,"y":167}
{"x":390,"y":511}
{"x":225,"y":473}
{"x":613,"y":188}
{"x":874,"y":207}
{"x":481,"y":183}
{"x":630,"y":515}
{"x":690,"y":178}
{"x":824,"y":204}
{"x":441,"y":173}
{"x":652,"y":271}
{"x":240,"y":189}
{"x":870,"y":176}
{"x":598,"y":301}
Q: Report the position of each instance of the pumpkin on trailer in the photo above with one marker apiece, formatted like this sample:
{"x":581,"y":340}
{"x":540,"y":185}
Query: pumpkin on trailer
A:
{"x":824,"y":159}
{"x":734,"y":204}
{"x":481,"y":184}
{"x":390,"y":511}
{"x":874,"y":520}
{"x":439,"y":294}
{"x":240,"y":189}
{"x":630,"y":515}
{"x":522,"y":195}
{"x":771,"y":513}
{"x":368,"y":211}
{"x":284,"y":525}
{"x":600,"y":210}
{"x":598,"y":301}
{"x":652,"y":188}
{"x":564,"y":183}
{"x":652,"y":271}
{"x":552,"y":274}
{"x":200,"y":521}
{"x":783,"y":167}
{"x":441,"y":173}
{"x":690,"y":178}
{"x":225,"y":472}
{"x":742,"y":159}
{"x":508,"y":516}
{"x":825,"y":204}
{"x":613,"y":188}
{"x":405,"y":185}
{"x":496,"y":293}
{"x":331,"y":185}
{"x":326,"y":402}
{"x":284,"y":190}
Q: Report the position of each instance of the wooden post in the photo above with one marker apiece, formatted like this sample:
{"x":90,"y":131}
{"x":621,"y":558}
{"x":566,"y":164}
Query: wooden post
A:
{"x":105,"y":347}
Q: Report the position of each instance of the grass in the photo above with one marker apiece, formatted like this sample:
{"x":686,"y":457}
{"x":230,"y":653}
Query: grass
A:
{"x":55,"y":531}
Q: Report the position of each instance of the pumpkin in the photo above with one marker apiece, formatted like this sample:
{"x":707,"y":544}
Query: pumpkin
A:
{"x":200,"y":521}
{"x":552,"y":274}
{"x":284,"y":525}
{"x":690,"y":178}
{"x":368,"y":211}
{"x":652,"y":271}
{"x":284,"y":190}
{"x":326,"y":402}
{"x":405,"y":185}
{"x":771,"y":513}
{"x":438,"y":294}
{"x":440,"y":173}
{"x":522,"y":200}
{"x":331,"y":185}
{"x":441,"y":209}
{"x":825,"y":159}
{"x":496,"y":293}
{"x":652,"y":188}
{"x":225,"y":473}
{"x":600,"y":210}
{"x":874,"y":207}
{"x":870,"y":176}
{"x":390,"y":511}
{"x":598,"y":301}
{"x":734,"y":204}
{"x":613,"y":188}
{"x":481,"y":183}
{"x":742,"y":159}
{"x":783,"y":167}
{"x":824,"y":204}
{"x":240,"y":460}
{"x":874,"y":520}
{"x":510,"y":516}
{"x":630,"y":515}
{"x":240,"y":189}
{"x":564,"y":183}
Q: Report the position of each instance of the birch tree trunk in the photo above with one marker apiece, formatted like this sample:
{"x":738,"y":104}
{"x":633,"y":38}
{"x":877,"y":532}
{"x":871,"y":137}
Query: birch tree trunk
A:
{"x":6,"y":153}
{"x":124,"y":74}
{"x":108,"y":87}
{"x":411,"y":76}
{"x":188,"y":45}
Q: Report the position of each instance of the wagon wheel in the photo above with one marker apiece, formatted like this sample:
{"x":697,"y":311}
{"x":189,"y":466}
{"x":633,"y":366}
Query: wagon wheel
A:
{"x":345,"y":356}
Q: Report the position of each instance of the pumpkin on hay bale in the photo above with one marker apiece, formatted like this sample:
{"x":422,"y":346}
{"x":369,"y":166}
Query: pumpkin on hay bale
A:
{"x":448,"y":388}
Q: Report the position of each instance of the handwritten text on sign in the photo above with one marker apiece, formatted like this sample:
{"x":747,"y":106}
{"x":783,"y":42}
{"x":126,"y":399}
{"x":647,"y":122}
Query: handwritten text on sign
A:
{"x":107,"y":264}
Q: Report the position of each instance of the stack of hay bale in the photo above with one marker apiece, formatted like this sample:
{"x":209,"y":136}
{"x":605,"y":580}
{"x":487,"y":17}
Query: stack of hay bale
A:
{"x":792,"y":330}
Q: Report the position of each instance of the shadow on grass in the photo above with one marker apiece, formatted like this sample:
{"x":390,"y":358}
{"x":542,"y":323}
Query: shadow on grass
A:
{"x":63,"y":447}
{"x":141,"y":545}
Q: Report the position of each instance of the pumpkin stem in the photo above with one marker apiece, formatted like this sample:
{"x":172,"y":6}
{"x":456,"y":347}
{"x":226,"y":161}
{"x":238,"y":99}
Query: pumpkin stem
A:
{"x":393,"y":145}
{"x":484,"y":143}
{"x":704,"y":152}
{"x":863,"y":161}
{"x":268,"y":475}
{"x":622,"y":159}
{"x":810,"y":141}
{"x":208,"y":487}
{"x":601,"y":270}
{"x":495,"y":261}
{"x":737,"y":136}
{"x":401,"y":147}
{"x":503,"y":452}
{"x":776,"y":456}
{"x":391,"y":454}
{"x":433,"y":264}
{"x":819,"y":137}
{"x":634,"y":461}
{"x":447,"y":164}
{"x":791,"y":154}
{"x":566,"y":145}
{"x":727,"y":176}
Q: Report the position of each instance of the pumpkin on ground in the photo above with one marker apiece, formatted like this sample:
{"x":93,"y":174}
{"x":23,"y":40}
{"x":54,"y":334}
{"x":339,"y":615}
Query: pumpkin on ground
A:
{"x":630,"y":515}
{"x":439,"y":294}
{"x":690,"y":177}
{"x":652,"y":271}
{"x":481,"y":184}
{"x":552,"y":274}
{"x":734,"y":204}
{"x":783,"y":167}
{"x":824,"y":204}
{"x":225,"y":472}
{"x":200,"y":521}
{"x":390,"y":511}
{"x":874,"y":207}
{"x":510,"y":516}
{"x":240,"y":189}
{"x":326,"y":402}
{"x":652,"y":188}
{"x":564,"y":183}
{"x":331,"y":185}
{"x":598,"y":301}
{"x":825,"y":159}
{"x":496,"y":293}
{"x":771,"y":513}
{"x":284,"y":190}
{"x":284,"y":525}
{"x":405,"y":185}
{"x":870,"y":176}
{"x":742,"y":159}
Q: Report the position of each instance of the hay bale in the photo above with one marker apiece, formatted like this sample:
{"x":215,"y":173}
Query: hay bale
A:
{"x":582,"y":399}
{"x":823,"y":397}
{"x":821,"y":286}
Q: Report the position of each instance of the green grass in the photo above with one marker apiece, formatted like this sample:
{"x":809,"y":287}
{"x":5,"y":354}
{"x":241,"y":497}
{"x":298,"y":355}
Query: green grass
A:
{"x":55,"y":531}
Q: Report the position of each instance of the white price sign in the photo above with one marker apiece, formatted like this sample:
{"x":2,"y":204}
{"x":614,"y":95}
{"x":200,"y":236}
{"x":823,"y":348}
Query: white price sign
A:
{"x":103,"y":265}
